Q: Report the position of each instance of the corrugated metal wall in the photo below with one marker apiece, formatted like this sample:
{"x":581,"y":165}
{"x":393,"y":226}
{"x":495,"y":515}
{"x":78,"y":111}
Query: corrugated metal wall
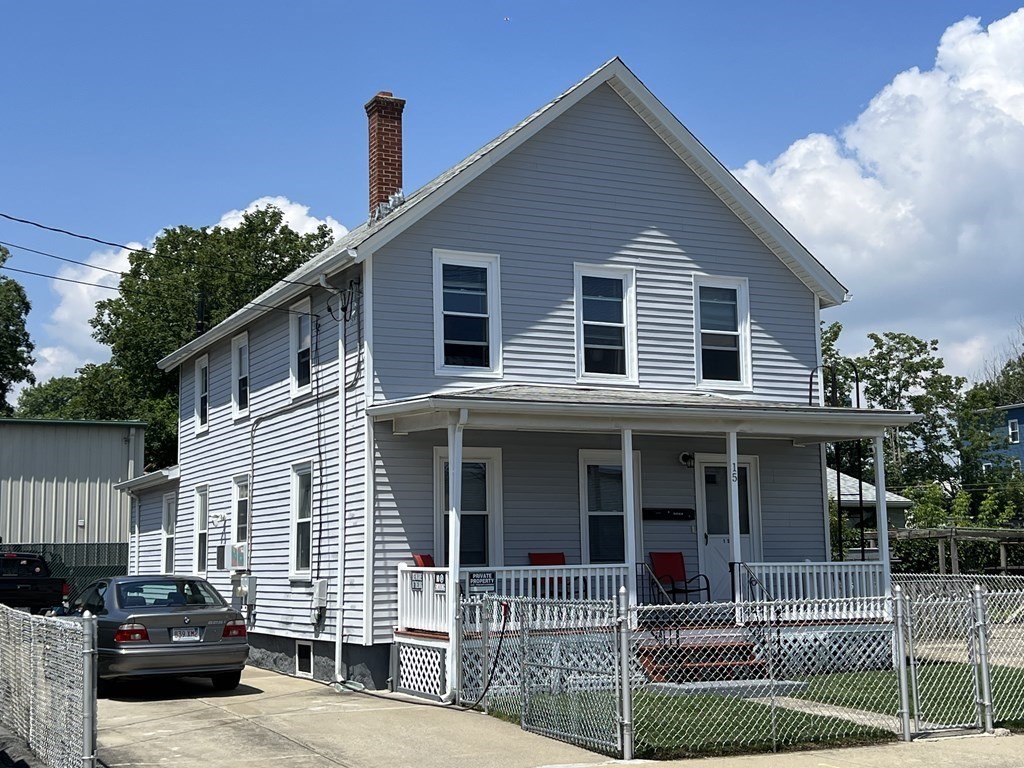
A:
{"x":57,"y":480}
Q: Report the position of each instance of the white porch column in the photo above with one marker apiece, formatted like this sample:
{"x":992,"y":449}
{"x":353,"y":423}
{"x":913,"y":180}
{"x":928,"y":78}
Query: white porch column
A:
{"x":629,"y":511}
{"x":882,"y":515}
{"x":735,"y":542}
{"x":454,"y":535}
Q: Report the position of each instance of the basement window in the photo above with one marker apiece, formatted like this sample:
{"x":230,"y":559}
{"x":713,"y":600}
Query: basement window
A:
{"x":303,"y":659}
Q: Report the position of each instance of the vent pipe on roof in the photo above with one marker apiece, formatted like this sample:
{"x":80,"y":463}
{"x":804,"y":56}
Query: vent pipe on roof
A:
{"x":384,"y":115}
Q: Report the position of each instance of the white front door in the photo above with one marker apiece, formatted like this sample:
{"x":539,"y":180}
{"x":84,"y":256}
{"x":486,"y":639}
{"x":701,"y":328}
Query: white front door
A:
{"x":715,"y":538}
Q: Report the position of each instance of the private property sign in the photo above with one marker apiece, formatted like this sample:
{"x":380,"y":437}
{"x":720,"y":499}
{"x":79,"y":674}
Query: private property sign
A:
{"x":482,"y":582}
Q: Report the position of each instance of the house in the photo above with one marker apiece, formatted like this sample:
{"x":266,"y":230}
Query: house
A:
{"x":58,"y":492}
{"x":852,"y":492}
{"x":591,"y":286}
{"x":1006,"y":433}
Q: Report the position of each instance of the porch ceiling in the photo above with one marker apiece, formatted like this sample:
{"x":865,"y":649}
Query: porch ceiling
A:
{"x":523,"y":407}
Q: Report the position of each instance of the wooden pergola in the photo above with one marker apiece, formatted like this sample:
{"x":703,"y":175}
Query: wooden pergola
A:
{"x":1002,"y":536}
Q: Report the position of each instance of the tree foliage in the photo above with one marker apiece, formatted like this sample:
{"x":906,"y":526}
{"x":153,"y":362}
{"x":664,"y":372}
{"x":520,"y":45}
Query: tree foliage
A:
{"x":15,"y":344}
{"x":188,"y":282}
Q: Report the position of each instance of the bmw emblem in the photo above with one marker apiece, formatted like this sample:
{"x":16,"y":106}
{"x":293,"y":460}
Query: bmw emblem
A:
{"x":188,"y":620}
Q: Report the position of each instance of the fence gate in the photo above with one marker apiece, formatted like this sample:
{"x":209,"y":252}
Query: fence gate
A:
{"x":571,"y":675}
{"x":944,"y":664}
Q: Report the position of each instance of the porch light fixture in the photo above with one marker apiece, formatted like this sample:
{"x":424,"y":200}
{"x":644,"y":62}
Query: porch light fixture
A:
{"x":686,"y":459}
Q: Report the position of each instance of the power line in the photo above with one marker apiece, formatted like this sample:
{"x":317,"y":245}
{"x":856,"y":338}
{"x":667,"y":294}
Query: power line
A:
{"x":60,"y":258}
{"x":146,"y":251}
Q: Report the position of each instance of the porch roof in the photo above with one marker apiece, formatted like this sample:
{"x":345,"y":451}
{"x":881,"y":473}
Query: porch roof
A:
{"x":528,"y":407}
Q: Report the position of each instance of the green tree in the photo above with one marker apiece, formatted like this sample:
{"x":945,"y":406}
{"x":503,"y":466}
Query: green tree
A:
{"x":15,"y":345}
{"x":188,"y":282}
{"x":49,"y":400}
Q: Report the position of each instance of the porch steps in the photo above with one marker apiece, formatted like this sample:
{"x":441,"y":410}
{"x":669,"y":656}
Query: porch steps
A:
{"x":685,"y":660}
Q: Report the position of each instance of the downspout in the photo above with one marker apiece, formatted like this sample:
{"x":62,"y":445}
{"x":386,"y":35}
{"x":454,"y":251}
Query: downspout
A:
{"x":131,"y":475}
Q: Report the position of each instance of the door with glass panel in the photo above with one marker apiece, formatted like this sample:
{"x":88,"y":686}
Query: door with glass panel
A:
{"x":713,"y":528}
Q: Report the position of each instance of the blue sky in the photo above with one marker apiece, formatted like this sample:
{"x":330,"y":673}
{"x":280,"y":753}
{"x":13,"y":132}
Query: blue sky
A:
{"x":123,"y":118}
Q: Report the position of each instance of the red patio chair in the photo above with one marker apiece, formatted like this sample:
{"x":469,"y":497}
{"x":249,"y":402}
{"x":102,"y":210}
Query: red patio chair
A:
{"x":669,"y":570}
{"x":423,"y":561}
{"x":552,"y":587}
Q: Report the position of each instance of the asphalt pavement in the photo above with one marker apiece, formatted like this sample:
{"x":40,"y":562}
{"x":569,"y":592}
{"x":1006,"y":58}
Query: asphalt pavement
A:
{"x":276,"y":720}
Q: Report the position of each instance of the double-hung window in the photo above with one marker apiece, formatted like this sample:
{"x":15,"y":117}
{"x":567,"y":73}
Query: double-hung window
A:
{"x":480,"y":536}
{"x":202,"y":394}
{"x":605,"y":323}
{"x":302,"y":520}
{"x":467,"y":313}
{"x":239,"y":559}
{"x":240,"y":374}
{"x":202,"y":524}
{"x":723,"y":332}
{"x":301,"y":347}
{"x":1013,"y":431}
{"x":602,"y":490}
{"x":168,"y":521}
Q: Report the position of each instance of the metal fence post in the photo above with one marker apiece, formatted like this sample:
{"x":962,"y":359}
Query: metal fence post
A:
{"x":485,"y":607}
{"x":901,"y":660}
{"x":627,"y":691}
{"x":983,"y":671}
{"x":89,"y":662}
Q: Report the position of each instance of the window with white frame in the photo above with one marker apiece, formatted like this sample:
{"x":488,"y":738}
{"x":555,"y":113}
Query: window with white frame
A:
{"x":241,"y":508}
{"x":302,"y":519}
{"x":723,"y":331}
{"x":467,"y":313}
{"x":202,"y":518}
{"x":202,"y":394}
{"x":301,"y":347}
{"x":1015,"y":466}
{"x":602,"y":505}
{"x":240,"y":374}
{"x":169,"y":518}
{"x":480,"y":535}
{"x":986,"y":467}
{"x":1013,"y":431}
{"x":605,"y":323}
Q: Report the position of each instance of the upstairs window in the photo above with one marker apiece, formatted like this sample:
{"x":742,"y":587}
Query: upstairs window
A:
{"x":202,"y":394}
{"x":723,"y":332}
{"x":467,"y":321}
{"x":605,"y":323}
{"x":1013,"y":431}
{"x":301,"y":347}
{"x":240,"y":374}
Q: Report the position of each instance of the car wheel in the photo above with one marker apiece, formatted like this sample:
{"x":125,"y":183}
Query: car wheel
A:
{"x":226,"y":681}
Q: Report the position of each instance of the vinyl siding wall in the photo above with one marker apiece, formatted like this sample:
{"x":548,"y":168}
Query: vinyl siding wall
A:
{"x":597,"y":186}
{"x":146,"y":545}
{"x":541,"y":500}
{"x":278,"y":434}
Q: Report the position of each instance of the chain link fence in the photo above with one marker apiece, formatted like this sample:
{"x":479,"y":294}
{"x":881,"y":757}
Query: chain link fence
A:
{"x":47,"y":686}
{"x":712,"y":679}
{"x":78,"y":564}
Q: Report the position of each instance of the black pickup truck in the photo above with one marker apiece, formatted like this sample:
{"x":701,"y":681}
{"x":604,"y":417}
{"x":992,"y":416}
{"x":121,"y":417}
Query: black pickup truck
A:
{"x":25,"y":582}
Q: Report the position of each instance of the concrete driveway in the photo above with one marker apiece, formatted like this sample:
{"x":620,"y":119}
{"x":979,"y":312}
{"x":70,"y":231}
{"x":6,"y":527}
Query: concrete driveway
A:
{"x":276,"y":720}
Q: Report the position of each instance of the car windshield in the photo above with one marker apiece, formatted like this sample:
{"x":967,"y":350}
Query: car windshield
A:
{"x":153,"y":593}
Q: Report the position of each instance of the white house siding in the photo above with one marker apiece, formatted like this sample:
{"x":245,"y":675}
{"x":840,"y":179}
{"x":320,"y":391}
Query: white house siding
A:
{"x":541,"y":506}
{"x":596,"y":186}
{"x":146,"y":544}
{"x":57,"y":480}
{"x":277,"y":434}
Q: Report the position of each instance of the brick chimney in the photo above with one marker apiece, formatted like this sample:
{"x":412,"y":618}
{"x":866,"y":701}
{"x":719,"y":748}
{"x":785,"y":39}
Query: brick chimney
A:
{"x":384,"y":114}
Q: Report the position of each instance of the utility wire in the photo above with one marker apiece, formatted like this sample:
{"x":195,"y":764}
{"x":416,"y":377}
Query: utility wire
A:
{"x":60,"y":258}
{"x":146,"y":251}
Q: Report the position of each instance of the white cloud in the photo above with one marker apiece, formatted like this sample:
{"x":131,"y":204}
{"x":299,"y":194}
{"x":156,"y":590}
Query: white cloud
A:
{"x":918,"y":206}
{"x":70,"y":344}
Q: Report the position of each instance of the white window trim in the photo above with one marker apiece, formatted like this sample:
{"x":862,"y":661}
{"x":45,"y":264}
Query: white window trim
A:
{"x":588,"y":457}
{"x":628,"y":277}
{"x":168,"y":524}
{"x":236,"y":481}
{"x":1013,"y":431}
{"x":312,"y":658}
{"x":1015,"y":465}
{"x":303,"y":307}
{"x":985,"y":467}
{"x":492,"y":263}
{"x":201,"y":492}
{"x":298,"y":468}
{"x":742,"y":287}
{"x":200,"y":364}
{"x":495,"y":490}
{"x":237,"y":343}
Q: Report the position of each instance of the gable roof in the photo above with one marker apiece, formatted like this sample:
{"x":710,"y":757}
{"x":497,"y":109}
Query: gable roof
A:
{"x":361,"y":242}
{"x":851,"y":498}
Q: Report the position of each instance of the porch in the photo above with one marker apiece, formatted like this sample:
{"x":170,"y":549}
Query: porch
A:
{"x":802,"y":591}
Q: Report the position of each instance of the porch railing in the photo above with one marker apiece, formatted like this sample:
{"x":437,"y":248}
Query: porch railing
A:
{"x":818,"y":591}
{"x":423,"y":598}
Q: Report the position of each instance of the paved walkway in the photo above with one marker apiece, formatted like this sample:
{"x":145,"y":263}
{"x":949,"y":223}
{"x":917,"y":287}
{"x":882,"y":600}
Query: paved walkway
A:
{"x":276,"y":720}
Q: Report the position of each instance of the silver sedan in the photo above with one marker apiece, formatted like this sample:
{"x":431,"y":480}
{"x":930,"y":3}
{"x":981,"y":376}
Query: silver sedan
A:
{"x":165,"y":625}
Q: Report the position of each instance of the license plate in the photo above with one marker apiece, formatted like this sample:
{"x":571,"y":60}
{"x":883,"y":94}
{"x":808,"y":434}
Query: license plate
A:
{"x":185,"y":635}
